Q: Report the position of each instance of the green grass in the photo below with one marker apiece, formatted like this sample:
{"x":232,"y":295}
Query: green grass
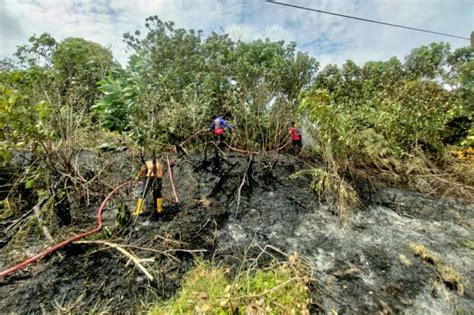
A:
{"x":208,"y":290}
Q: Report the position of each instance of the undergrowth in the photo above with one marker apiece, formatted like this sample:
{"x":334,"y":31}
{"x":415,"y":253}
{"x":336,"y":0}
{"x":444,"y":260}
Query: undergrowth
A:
{"x":398,"y":144}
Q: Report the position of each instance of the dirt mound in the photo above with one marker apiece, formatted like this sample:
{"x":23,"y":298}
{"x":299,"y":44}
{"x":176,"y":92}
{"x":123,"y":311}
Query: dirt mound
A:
{"x":233,"y":208}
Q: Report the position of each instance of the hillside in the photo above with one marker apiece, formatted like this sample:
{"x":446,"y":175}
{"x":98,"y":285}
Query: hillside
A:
{"x":287,"y":188}
{"x":366,"y":265}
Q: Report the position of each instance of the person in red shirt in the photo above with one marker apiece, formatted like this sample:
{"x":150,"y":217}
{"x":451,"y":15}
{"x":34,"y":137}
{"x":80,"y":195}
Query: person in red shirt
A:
{"x":295,"y":137}
{"x":217,"y":127}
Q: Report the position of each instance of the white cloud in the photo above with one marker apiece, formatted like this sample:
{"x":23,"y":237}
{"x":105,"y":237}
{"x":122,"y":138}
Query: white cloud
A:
{"x":330,"y":39}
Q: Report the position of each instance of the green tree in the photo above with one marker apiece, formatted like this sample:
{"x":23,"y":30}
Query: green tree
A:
{"x":427,"y":61}
{"x":184,"y":78}
{"x":22,"y":124}
{"x":38,"y":52}
{"x":79,"y":65}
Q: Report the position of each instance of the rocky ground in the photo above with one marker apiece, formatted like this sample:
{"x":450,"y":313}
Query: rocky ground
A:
{"x":233,"y":209}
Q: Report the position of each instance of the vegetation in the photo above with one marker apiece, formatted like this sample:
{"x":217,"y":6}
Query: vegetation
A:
{"x":275,"y":290}
{"x":379,"y":116}
{"x":393,"y":121}
{"x":405,"y":123}
{"x":176,"y":80}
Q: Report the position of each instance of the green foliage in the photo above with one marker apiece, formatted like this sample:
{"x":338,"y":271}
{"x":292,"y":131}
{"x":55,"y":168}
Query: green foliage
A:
{"x":32,"y":180}
{"x":427,"y":61}
{"x":123,"y":218}
{"x":276,"y":290}
{"x":387,"y":118}
{"x":38,"y":53}
{"x":462,"y":66}
{"x":184,"y":79}
{"x":69,"y":69}
{"x":119,"y":102}
{"x":427,"y":70}
{"x":22,"y":124}
{"x":79,"y":65}
{"x":371,"y":113}
{"x":6,"y":65}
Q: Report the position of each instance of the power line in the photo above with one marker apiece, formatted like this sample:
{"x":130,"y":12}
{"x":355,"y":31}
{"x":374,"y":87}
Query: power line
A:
{"x":362,"y":19}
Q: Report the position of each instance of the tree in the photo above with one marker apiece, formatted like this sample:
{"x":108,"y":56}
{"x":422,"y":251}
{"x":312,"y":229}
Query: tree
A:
{"x":184,"y":78}
{"x":80,"y":64}
{"x":38,"y":53}
{"x":427,"y":61}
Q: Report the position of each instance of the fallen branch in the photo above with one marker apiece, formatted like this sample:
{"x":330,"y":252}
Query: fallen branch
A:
{"x":243,"y":182}
{"x":44,"y":229}
{"x":154,"y":251}
{"x":170,"y":174}
{"x":192,"y":136}
{"x":17,"y":221}
{"x":127,"y":254}
{"x":185,"y":250}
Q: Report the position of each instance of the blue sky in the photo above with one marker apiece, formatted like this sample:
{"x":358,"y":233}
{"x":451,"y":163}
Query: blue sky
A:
{"x":329,"y":39}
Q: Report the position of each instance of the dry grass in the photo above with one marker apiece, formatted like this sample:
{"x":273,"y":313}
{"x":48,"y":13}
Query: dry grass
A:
{"x":328,"y":184}
{"x":405,"y":261}
{"x":447,"y":274}
{"x":424,"y":253}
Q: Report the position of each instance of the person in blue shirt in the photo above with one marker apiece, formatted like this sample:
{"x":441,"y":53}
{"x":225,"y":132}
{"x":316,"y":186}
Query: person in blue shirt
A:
{"x":218,"y":127}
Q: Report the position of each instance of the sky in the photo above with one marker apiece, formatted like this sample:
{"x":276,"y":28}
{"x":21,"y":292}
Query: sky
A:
{"x":329,"y":39}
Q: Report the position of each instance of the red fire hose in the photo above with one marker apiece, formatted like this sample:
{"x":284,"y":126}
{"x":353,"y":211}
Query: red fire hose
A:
{"x":50,"y":250}
{"x":230,"y":148}
{"x":192,"y":136}
{"x":72,"y":239}
{"x":254,"y":152}
{"x":239,"y":150}
{"x":284,"y":145}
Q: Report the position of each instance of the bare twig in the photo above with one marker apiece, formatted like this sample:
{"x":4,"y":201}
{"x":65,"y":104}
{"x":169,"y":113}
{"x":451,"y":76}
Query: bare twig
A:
{"x":18,"y":221}
{"x":243,"y":182}
{"x":170,"y":240}
{"x":192,"y":136}
{"x":267,"y":291}
{"x":154,"y":251}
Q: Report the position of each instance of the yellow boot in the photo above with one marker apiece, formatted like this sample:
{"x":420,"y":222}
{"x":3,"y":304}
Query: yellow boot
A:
{"x":159,"y":205}
{"x":139,"y":208}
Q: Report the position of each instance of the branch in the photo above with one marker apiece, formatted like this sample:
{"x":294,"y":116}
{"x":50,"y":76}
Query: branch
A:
{"x":44,"y":229}
{"x":127,"y":254}
{"x":243,"y":182}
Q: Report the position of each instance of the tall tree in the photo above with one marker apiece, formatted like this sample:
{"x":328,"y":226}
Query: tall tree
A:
{"x":80,"y":64}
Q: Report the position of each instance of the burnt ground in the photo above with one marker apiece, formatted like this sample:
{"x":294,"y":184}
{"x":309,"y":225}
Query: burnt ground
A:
{"x":357,"y":265}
